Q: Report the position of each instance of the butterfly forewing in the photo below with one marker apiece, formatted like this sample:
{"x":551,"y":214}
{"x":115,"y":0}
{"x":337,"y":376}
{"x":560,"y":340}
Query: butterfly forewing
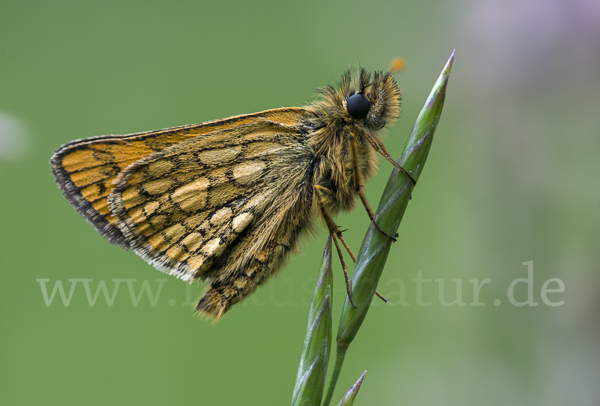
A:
{"x":85,"y":170}
{"x":183,"y":207}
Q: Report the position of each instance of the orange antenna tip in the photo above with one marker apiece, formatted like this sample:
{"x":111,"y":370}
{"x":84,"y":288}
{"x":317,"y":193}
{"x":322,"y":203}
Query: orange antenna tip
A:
{"x":397,"y":65}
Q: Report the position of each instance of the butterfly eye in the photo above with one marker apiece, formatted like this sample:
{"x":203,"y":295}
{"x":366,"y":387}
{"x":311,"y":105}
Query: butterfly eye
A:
{"x":358,"y":106}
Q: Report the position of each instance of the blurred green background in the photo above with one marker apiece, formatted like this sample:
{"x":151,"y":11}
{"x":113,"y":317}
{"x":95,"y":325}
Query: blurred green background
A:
{"x":512,"y":177}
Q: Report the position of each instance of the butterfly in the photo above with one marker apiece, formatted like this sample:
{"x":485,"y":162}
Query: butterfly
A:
{"x":227,"y":201}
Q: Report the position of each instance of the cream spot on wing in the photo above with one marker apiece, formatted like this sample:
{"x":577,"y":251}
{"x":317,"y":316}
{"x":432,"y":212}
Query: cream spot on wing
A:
{"x":159,"y":168}
{"x":195,"y":262}
{"x":192,"y":196}
{"x":136,"y":214}
{"x":211,"y":246}
{"x":194,"y":221}
{"x":140,"y":213}
{"x":191,"y":188}
{"x":151,"y":207}
{"x":258,"y":199}
{"x":176,"y":252}
{"x":174,"y":232}
{"x":158,"y":186}
{"x":248,"y":171}
{"x":157,"y":241}
{"x":241,"y":221}
{"x":192,"y":241}
{"x":131,"y":197}
{"x":158,"y":222}
{"x":221,"y":216}
{"x":221,"y":155}
{"x":144,"y":227}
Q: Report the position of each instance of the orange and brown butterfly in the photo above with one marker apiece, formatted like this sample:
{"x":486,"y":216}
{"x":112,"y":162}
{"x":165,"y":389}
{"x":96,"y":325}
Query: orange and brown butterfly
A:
{"x":226,"y":201}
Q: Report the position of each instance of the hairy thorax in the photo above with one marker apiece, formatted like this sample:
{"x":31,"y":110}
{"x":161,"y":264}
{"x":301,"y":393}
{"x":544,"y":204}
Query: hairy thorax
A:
{"x":334,"y":169}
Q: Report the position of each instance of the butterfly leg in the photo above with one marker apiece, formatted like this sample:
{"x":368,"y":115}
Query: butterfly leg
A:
{"x":345,"y":269}
{"x":322,"y":193}
{"x":360,"y":189}
{"x":379,"y":147}
{"x":361,"y":194}
{"x":336,"y":234}
{"x":381,"y":297}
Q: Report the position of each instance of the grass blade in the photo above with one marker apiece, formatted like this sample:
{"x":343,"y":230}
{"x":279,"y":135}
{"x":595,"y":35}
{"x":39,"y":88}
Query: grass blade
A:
{"x":348,"y":399}
{"x":310,"y":381}
{"x":375,"y":247}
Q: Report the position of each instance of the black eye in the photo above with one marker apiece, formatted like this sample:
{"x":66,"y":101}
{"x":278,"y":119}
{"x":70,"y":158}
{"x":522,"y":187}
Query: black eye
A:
{"x":358,"y":106}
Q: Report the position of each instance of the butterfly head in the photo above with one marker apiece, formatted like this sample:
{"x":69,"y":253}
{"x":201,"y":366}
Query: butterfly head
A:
{"x":371,"y":100}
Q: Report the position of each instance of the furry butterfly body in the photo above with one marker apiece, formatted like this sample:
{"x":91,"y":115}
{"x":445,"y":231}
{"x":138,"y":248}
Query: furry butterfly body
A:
{"x":227,"y":201}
